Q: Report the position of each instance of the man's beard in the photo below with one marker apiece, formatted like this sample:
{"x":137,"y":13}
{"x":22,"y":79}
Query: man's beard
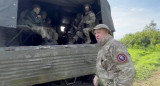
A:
{"x":87,"y":10}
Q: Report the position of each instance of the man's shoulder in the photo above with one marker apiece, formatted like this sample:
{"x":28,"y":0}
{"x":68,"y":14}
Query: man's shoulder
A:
{"x":91,"y":13}
{"x":116,"y":44}
{"x":31,"y":12}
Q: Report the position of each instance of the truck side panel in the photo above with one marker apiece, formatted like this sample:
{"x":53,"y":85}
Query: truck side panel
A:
{"x":23,"y":66}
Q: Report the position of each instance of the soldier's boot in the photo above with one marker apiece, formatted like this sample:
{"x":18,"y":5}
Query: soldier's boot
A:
{"x":55,"y":43}
{"x":52,"y":42}
{"x":45,"y":41}
{"x":88,"y":40}
{"x":86,"y":32}
{"x":72,"y":41}
{"x":48,"y":42}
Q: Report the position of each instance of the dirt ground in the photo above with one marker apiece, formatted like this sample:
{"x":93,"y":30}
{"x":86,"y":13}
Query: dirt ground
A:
{"x":154,"y":80}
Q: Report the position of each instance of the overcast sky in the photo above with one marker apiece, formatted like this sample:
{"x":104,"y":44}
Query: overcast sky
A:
{"x":130,"y":16}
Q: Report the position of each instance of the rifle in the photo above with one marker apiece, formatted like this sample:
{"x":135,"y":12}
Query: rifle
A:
{"x":82,"y":25}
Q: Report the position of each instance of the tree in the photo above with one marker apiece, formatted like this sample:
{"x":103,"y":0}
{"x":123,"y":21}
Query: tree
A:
{"x":150,"y":36}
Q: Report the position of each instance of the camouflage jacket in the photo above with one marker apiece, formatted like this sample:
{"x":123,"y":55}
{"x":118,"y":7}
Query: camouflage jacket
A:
{"x":89,"y":19}
{"x":32,"y":19}
{"x":76,"y":23}
{"x":114,"y":64}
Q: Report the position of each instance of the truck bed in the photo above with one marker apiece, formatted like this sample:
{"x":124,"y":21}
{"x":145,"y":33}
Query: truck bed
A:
{"x":26,"y":66}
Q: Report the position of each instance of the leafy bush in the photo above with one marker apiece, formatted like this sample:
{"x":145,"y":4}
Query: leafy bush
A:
{"x":157,"y":47}
{"x":149,"y":37}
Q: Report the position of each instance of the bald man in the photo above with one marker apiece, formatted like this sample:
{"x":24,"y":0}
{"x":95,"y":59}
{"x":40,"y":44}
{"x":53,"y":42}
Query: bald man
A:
{"x":114,"y":64}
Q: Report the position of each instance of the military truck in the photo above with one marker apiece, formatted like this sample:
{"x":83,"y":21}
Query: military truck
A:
{"x":25,"y":62}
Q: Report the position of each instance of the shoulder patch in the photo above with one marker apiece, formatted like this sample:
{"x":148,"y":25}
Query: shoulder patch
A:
{"x":122,"y":58}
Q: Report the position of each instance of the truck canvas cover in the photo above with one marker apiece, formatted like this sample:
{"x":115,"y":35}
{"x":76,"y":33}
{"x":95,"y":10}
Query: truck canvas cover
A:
{"x":68,"y":3}
{"x":9,"y":8}
{"x":8,"y":13}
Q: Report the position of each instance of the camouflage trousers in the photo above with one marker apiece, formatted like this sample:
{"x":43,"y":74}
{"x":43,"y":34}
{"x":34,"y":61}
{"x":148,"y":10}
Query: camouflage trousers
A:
{"x":86,"y":31}
{"x":41,"y":31}
{"x":78,"y":35}
{"x":46,"y":32}
{"x":54,"y":35}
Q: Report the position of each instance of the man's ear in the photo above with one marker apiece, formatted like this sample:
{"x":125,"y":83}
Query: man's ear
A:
{"x":93,"y":32}
{"x":107,"y":32}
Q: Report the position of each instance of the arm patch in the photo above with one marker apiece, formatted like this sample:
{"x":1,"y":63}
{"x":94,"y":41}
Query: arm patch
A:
{"x":122,"y":58}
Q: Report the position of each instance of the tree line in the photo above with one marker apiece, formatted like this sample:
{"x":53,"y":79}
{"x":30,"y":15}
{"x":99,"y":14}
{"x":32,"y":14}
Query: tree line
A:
{"x":149,"y":37}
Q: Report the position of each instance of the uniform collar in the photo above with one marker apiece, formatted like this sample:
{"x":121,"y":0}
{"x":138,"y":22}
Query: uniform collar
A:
{"x":107,"y":38}
{"x":87,"y":12}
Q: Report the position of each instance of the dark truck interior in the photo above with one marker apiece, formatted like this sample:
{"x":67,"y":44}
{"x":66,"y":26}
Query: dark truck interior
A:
{"x":61,"y":12}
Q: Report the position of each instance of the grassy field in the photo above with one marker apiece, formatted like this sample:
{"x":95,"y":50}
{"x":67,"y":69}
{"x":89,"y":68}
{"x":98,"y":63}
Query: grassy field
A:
{"x":146,"y":61}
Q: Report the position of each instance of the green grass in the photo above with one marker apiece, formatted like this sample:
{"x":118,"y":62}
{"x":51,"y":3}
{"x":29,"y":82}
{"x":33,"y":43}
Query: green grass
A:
{"x":145,"y":61}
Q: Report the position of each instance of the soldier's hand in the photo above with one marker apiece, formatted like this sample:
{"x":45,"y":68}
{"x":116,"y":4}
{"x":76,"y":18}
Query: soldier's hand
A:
{"x":39,"y":16}
{"x":76,"y":28}
{"x":95,"y":81}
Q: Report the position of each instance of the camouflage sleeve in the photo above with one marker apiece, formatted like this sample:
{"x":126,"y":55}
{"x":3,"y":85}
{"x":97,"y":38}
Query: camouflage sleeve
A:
{"x":124,"y":70}
{"x":97,"y":65}
{"x":92,"y":19}
{"x":32,"y":18}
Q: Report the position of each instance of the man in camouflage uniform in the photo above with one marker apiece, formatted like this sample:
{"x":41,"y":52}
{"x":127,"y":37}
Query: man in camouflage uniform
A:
{"x":114,"y":64}
{"x":76,"y":30}
{"x":88,"y":22}
{"x":35,"y":22}
{"x":32,"y":18}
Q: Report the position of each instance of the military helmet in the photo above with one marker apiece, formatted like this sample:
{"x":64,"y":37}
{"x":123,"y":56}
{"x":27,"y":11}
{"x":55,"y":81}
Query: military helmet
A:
{"x":100,"y":26}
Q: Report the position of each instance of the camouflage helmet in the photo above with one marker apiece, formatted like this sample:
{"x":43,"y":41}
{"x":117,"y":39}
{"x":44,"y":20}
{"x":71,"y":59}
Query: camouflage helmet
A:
{"x":100,"y":26}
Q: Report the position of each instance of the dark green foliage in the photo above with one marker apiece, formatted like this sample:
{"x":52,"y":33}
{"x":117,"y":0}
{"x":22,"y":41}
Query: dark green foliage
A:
{"x":149,"y":37}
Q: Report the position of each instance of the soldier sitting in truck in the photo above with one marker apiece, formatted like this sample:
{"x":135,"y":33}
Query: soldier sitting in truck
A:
{"x":77,"y":30}
{"x":46,"y":23}
{"x":35,"y":21}
{"x":33,"y":17}
{"x":88,"y":22}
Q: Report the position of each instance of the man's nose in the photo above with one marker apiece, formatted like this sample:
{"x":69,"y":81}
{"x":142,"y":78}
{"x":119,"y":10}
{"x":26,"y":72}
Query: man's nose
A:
{"x":97,"y":35}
